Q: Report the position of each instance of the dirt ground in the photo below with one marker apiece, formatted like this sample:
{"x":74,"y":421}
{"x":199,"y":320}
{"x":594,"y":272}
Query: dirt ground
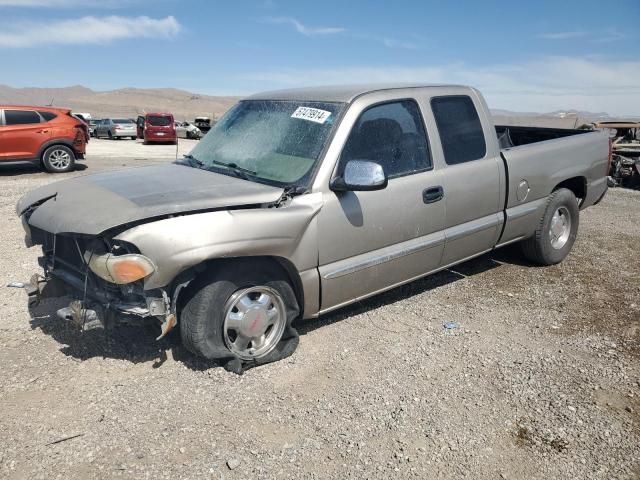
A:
{"x":538,"y":378}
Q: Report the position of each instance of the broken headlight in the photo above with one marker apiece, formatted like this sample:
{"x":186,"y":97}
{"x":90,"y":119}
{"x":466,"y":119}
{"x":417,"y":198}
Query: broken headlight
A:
{"x":120,"y":269}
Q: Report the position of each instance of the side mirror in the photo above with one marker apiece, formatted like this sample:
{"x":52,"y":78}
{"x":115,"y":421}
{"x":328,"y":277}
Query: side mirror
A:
{"x":360,"y":175}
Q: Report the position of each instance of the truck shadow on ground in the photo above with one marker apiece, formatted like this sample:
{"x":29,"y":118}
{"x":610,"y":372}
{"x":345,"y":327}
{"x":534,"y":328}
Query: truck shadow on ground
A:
{"x":137,"y":344}
{"x":27,"y":168}
{"x":507,"y":255}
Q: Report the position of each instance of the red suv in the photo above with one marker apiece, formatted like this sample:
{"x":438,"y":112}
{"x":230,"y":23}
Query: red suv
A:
{"x":50,"y":137}
{"x":157,"y":127}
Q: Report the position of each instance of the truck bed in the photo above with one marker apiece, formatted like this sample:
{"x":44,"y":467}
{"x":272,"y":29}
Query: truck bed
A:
{"x":536,"y":160}
{"x":515,"y":136}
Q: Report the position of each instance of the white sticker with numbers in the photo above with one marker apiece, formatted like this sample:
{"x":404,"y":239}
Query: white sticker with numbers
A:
{"x":311,"y":114}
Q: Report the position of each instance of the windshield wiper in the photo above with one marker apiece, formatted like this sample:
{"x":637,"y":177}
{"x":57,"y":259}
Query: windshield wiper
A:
{"x":241,"y":172}
{"x":289,"y":192}
{"x":238,"y":171}
{"x":193,"y":161}
{"x":233,"y":166}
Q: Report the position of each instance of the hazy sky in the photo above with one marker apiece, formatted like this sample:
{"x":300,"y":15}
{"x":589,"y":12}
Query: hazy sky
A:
{"x":524,"y":56}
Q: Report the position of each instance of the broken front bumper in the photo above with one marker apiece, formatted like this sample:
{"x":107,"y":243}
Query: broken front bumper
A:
{"x":96,"y":303}
{"x":95,"y":308}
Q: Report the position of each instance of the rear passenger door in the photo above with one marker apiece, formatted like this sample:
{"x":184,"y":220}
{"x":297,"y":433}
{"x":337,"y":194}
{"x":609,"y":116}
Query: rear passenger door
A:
{"x":23,"y":133}
{"x":471,"y":179}
{"x":372,"y":240}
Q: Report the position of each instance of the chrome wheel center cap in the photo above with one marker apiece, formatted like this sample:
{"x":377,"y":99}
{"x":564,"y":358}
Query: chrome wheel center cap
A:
{"x":255,"y":321}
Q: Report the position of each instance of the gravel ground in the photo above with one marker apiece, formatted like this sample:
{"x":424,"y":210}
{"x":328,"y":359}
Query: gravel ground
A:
{"x":540,"y":379}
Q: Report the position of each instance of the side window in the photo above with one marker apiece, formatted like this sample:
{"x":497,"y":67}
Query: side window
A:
{"x":391,"y":134}
{"x":459,"y":128}
{"x":48,"y":115}
{"x":20,"y":117}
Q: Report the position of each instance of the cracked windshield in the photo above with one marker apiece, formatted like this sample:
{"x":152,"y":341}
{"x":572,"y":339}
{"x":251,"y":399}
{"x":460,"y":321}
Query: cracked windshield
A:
{"x":275,"y":141}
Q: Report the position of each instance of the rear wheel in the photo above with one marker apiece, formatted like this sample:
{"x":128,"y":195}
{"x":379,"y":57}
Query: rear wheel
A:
{"x":242,"y":311}
{"x":557,"y":230}
{"x":58,"y":159}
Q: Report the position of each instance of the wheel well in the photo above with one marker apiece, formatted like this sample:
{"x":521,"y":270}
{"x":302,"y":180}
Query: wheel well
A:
{"x":578,"y":185}
{"x":268,"y":262}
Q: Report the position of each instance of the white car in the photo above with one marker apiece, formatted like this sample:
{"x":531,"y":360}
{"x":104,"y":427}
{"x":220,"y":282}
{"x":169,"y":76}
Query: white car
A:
{"x":187,"y":130}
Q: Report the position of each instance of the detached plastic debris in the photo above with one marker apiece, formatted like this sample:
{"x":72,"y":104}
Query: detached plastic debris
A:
{"x":16,"y":285}
{"x":450,"y":325}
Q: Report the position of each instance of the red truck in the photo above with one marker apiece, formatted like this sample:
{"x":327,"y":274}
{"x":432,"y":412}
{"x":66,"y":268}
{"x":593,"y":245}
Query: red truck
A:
{"x":47,"y":136}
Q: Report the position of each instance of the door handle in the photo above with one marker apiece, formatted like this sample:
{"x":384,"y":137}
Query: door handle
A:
{"x":432,"y":194}
{"x":43,"y":131}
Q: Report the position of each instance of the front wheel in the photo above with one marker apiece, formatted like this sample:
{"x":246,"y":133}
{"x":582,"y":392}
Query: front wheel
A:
{"x":556,"y":231}
{"x":243,"y":311}
{"x":58,"y":159}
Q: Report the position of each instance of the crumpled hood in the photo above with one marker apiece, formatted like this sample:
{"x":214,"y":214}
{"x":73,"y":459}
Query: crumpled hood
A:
{"x":92,"y":204}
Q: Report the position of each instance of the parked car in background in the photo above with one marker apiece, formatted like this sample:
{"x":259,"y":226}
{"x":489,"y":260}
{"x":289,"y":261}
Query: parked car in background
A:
{"x":92,"y":126}
{"x":187,"y":130}
{"x":84,"y":116}
{"x":303,"y":201}
{"x":116,"y":128}
{"x":156,"y":127}
{"x":47,"y":136}
{"x":203,"y":123}
{"x":625,"y":145}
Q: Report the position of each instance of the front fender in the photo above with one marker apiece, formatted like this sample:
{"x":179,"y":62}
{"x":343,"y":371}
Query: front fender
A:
{"x":175,"y":244}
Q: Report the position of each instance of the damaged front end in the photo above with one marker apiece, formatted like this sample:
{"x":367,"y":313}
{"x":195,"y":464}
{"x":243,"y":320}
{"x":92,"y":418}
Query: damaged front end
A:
{"x":105,"y":278}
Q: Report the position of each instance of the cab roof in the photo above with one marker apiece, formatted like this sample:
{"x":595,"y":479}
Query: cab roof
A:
{"x":338,"y":93}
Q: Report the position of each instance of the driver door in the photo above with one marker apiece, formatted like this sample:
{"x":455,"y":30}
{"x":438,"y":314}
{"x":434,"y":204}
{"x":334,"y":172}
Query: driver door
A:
{"x":370,"y":241}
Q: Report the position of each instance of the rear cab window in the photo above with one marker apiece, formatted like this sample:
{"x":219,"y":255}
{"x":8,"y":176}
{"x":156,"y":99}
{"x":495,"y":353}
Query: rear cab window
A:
{"x":391,"y":134}
{"x":21,"y":117}
{"x":460,"y":130}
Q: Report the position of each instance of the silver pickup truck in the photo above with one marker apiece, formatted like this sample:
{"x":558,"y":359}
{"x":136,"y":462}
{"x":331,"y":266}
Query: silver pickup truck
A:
{"x":302,"y":201}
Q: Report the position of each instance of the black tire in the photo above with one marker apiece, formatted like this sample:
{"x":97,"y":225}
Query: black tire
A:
{"x":58,"y":159}
{"x":202,"y":315}
{"x":134,"y":138}
{"x":539,"y":248}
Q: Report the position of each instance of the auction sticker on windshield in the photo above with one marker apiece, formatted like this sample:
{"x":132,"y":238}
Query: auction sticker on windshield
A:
{"x":312,"y":114}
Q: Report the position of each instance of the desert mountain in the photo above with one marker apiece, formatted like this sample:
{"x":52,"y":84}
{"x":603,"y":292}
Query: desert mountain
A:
{"x":125,"y":102}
